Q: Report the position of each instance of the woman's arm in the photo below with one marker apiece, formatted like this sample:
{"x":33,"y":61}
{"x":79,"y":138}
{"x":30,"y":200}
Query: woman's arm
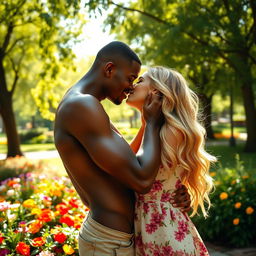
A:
{"x":136,"y":142}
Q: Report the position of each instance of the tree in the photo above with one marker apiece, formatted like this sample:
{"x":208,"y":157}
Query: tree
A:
{"x":33,"y":32}
{"x":223,"y":30}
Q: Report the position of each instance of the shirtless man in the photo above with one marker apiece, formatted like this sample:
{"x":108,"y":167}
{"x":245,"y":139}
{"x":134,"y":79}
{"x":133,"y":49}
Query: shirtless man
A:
{"x":102,"y":167}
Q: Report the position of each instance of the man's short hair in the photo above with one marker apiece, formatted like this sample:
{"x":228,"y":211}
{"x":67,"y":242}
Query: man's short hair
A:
{"x":117,"y":49}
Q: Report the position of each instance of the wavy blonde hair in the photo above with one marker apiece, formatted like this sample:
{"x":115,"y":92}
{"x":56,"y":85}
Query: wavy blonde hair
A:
{"x":181,"y":111}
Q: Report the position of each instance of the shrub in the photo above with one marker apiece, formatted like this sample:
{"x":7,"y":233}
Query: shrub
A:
{"x":232,"y":218}
{"x":27,"y":135}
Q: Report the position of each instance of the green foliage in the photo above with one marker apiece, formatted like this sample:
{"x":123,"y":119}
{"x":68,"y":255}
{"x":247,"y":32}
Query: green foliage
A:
{"x":36,"y":38}
{"x":27,"y":136}
{"x":232,"y":217}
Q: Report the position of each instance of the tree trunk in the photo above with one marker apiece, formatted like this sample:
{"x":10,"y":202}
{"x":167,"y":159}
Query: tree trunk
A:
{"x":7,"y":113}
{"x":13,"y":142}
{"x":249,"y":104}
{"x":250,"y":113}
{"x":207,"y":113}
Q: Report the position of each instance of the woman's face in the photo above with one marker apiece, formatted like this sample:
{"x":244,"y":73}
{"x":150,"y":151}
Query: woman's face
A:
{"x":142,"y":88}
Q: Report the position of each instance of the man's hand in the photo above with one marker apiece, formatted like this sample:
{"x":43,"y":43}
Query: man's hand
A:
{"x":181,"y":199}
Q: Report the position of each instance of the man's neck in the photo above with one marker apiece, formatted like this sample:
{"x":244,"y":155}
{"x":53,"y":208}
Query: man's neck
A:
{"x":90,"y":84}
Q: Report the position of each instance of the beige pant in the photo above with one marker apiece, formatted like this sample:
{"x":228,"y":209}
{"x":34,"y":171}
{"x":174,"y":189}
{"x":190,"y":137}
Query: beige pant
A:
{"x":97,"y":240}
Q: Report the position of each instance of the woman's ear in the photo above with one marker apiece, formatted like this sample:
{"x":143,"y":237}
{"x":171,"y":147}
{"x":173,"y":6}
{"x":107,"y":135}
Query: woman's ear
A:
{"x":155,"y":91}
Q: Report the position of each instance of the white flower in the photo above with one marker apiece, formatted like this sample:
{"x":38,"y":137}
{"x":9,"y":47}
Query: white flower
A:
{"x":45,"y":253}
{"x":11,"y":217}
{"x":10,"y":192}
{"x":2,"y":188}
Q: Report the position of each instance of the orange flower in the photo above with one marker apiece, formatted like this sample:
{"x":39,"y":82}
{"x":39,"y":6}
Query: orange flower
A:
{"x":236,"y":221}
{"x":35,"y":227}
{"x":23,"y":249}
{"x":238,"y":205}
{"x":68,"y":249}
{"x":223,"y":195}
{"x":249,"y":210}
{"x":38,"y":241}
{"x":46,"y":215}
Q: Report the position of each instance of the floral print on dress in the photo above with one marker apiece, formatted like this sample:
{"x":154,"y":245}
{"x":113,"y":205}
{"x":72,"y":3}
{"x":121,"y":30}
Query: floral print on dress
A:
{"x":161,"y":229}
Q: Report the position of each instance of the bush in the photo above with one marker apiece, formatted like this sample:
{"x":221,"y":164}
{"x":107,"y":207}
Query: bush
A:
{"x":232,"y":218}
{"x":36,"y":136}
{"x":27,"y":135}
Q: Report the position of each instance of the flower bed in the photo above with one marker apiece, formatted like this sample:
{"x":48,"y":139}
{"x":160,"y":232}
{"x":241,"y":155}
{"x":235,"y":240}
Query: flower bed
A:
{"x":232,"y":218}
{"x":39,"y":216}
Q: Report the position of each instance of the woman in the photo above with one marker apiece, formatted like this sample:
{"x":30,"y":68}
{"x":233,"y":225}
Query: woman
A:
{"x":161,"y":229}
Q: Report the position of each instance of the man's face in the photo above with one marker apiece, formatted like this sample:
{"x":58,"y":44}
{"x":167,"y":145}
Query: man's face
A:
{"x":122,"y":81}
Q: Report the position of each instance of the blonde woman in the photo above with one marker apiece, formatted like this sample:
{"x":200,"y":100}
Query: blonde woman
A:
{"x":161,"y":229}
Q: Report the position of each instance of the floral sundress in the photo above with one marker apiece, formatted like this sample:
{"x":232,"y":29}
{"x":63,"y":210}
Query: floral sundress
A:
{"x":161,"y":229}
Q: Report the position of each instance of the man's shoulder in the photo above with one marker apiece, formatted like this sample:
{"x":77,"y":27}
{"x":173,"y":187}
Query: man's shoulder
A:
{"x":79,"y":103}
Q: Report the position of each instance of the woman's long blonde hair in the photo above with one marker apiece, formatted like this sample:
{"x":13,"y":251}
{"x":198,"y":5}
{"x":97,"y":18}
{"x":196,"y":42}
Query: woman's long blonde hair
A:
{"x":180,"y":107}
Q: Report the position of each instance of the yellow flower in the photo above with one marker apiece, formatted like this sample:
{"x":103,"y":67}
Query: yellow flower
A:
{"x":68,"y":249}
{"x":233,"y":182}
{"x":29,"y":203}
{"x":236,"y":221}
{"x":238,"y":205}
{"x":36,"y":211}
{"x":223,"y":195}
{"x":213,"y":174}
{"x":249,"y":210}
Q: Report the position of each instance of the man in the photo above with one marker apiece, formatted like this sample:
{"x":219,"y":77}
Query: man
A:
{"x":99,"y":162}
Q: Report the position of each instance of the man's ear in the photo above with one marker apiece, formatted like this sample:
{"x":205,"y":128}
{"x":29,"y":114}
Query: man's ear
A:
{"x":109,"y":69}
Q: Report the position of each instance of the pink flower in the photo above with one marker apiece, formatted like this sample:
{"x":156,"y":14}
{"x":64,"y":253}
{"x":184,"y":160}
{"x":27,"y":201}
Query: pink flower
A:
{"x":179,"y":236}
{"x":150,"y":228}
{"x":165,"y":197}
{"x":178,"y":184}
{"x":167,"y":250}
{"x":156,"y":218}
{"x":183,"y":226}
{"x":164,"y":212}
{"x":173,"y":217}
{"x":157,"y":186}
{"x":145,"y":207}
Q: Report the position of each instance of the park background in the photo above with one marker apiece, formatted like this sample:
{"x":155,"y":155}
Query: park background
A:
{"x":48,"y":45}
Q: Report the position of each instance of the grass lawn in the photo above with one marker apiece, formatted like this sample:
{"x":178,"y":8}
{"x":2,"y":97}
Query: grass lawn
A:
{"x":226,"y":156}
{"x":30,"y":147}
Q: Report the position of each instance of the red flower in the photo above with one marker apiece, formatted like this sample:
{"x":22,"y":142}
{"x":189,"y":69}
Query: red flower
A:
{"x":1,"y":239}
{"x":73,"y":202}
{"x":62,"y":208}
{"x":67,"y":219}
{"x":46,"y":215}
{"x":23,"y":249}
{"x":38,"y":241}
{"x":60,"y":238}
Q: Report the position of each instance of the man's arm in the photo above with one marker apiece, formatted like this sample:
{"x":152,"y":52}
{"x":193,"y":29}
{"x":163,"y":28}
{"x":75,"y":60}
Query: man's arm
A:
{"x":87,"y":121}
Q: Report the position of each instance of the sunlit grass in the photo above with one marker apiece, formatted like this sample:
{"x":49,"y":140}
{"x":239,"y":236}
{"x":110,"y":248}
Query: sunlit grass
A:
{"x":30,"y":147}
